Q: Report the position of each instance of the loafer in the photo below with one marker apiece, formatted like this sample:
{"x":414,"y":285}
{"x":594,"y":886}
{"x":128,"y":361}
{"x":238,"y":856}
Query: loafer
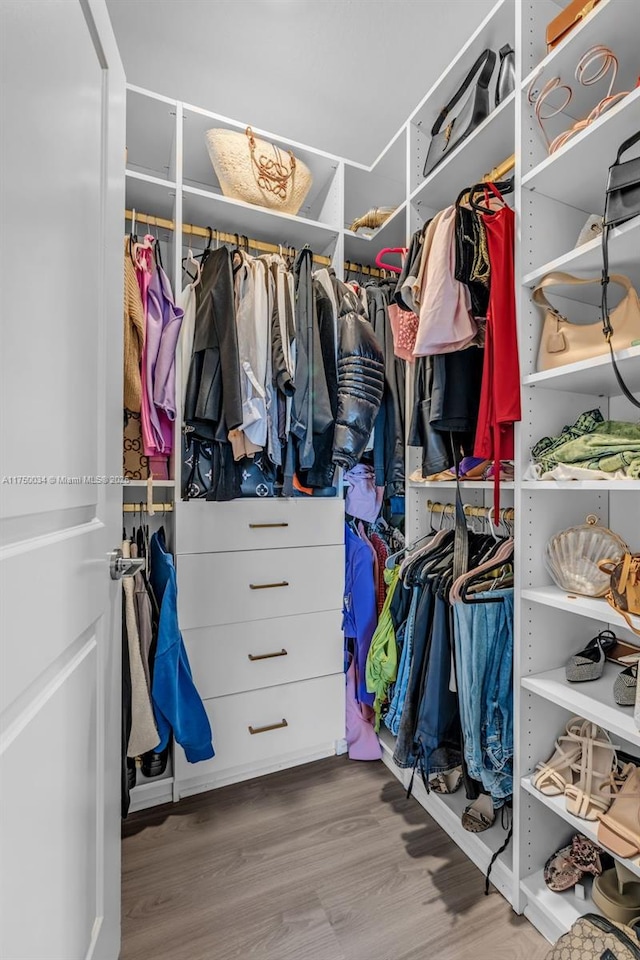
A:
{"x":589,"y":663}
{"x":624,"y":686}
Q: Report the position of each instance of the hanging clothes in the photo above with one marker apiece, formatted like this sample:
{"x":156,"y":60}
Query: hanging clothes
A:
{"x":500,"y":396}
{"x":178,"y":706}
{"x":359,"y":608}
{"x":134,"y":329}
{"x":144,"y":732}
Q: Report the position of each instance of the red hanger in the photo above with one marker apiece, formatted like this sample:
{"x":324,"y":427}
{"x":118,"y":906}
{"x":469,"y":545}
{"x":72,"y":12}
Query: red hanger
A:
{"x":388,"y":266}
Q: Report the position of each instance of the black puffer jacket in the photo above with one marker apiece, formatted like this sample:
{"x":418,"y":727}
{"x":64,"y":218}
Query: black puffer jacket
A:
{"x":360,"y":388}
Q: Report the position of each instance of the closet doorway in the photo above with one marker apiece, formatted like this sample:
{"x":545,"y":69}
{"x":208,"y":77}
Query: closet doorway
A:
{"x":63,"y":133}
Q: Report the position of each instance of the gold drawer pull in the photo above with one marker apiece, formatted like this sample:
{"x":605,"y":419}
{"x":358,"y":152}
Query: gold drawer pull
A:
{"x":271,"y":726}
{"x":267,"y":656}
{"x":263,"y":526}
{"x":268,"y":586}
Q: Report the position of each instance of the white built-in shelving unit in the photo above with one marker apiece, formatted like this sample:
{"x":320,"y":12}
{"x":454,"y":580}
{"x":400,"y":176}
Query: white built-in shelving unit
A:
{"x":169,"y":174}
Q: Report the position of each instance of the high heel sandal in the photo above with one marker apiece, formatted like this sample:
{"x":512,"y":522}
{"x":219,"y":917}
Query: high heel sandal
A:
{"x":619,"y":828}
{"x":552,"y":777}
{"x":585,"y":798}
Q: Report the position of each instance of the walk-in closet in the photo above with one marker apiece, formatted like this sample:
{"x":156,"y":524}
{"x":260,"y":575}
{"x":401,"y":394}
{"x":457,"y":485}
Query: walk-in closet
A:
{"x":320,"y":486}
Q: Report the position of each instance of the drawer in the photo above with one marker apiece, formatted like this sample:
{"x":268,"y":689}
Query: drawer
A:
{"x":246,"y":656}
{"x":203,"y":527}
{"x":217,"y":588}
{"x":313,"y":711}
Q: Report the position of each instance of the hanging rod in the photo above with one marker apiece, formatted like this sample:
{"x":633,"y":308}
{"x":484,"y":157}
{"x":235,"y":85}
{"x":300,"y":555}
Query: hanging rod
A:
{"x":470,"y":511}
{"x":501,"y":170}
{"x":143,"y":508}
{"x":260,"y":245}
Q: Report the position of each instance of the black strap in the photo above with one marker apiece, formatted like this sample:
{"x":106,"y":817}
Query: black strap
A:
{"x":607,"y":329}
{"x":627,"y":145}
{"x":486,"y":60}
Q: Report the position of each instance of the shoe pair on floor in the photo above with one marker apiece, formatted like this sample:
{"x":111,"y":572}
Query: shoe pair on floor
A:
{"x":589,"y":665}
{"x":584,"y":768}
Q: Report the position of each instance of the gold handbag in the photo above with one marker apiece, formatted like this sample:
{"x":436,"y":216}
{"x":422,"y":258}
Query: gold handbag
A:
{"x":565,"y":342}
{"x":624,"y":593}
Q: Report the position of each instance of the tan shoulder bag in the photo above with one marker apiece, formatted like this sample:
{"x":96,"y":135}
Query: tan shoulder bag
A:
{"x":624,"y":595}
{"x":565,"y":342}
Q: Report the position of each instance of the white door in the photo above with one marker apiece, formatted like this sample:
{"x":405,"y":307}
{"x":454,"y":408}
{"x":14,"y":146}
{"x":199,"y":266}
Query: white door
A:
{"x":62,"y":133}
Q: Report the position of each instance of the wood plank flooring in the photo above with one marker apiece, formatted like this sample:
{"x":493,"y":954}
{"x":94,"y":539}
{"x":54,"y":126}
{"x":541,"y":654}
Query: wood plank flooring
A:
{"x":326,"y":861}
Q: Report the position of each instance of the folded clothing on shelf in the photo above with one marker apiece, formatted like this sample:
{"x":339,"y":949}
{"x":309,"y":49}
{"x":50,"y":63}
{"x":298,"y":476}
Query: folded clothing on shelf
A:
{"x":606,"y":448}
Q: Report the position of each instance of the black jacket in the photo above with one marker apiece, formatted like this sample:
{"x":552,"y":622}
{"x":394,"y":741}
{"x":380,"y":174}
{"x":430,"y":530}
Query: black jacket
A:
{"x":389,"y":426}
{"x":360,"y":385}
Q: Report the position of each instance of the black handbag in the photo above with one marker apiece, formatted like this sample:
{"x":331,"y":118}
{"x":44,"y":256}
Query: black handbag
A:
{"x":472,"y":100}
{"x":506,"y":82}
{"x":257,"y":476}
{"x":622,"y":202}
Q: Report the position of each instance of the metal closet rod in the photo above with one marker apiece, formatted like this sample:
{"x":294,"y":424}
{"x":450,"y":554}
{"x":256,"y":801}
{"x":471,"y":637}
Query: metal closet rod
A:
{"x":143,"y":507}
{"x":501,"y":170}
{"x":260,"y":245}
{"x":470,"y":511}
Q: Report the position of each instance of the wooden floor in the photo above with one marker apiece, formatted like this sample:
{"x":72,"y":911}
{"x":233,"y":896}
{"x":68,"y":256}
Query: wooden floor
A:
{"x":326,"y":861}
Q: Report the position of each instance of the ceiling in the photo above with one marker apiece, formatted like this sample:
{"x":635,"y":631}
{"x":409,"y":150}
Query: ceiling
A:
{"x":339,"y":75}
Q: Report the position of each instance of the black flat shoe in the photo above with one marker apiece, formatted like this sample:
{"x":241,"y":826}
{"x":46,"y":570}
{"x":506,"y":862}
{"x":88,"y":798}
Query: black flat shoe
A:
{"x":154,"y":764}
{"x":589,"y":663}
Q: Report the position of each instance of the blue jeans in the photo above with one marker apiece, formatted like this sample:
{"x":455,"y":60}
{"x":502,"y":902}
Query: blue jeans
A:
{"x":484,"y":669}
{"x":394,"y":713}
{"x":404,"y":755}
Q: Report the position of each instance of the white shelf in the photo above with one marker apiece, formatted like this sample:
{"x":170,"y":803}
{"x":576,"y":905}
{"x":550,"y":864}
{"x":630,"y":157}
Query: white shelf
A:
{"x":603,"y":486}
{"x":612,"y":23}
{"x":552,"y":913}
{"x":447,"y":812}
{"x":592,"y":700}
{"x":204,"y":207}
{"x":624,"y":244}
{"x":487,"y":146}
{"x":577,"y":173}
{"x":593,"y":607}
{"x":362,"y":248}
{"x":593,"y":377}
{"x":588,"y":828}
{"x":151,"y":792}
{"x":150,"y":195}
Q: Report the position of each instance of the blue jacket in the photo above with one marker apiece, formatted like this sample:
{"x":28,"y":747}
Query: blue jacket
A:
{"x":359,"y":613}
{"x":177,"y":703}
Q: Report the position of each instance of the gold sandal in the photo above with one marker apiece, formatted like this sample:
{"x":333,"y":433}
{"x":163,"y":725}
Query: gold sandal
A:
{"x":552,"y":777}
{"x":585,"y":799}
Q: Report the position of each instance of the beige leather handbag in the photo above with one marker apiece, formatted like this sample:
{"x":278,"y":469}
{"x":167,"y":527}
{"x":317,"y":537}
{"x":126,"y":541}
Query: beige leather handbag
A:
{"x":565,"y":342}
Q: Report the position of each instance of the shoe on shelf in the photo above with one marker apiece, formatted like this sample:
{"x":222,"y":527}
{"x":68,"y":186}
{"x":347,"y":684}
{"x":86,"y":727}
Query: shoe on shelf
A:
{"x":552,"y":777}
{"x":154,"y":764}
{"x":568,"y":866}
{"x":619,"y":827}
{"x":586,"y":798}
{"x":588,"y":664}
{"x":617,"y":894}
{"x":624,"y":686}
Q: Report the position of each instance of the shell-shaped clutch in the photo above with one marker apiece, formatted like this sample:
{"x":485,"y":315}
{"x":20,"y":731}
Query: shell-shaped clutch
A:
{"x":572,"y":557}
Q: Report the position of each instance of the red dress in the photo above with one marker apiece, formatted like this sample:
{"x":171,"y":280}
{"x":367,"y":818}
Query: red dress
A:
{"x":500,"y":393}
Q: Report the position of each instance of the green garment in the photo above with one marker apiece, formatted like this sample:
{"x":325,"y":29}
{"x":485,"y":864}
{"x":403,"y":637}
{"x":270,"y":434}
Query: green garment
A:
{"x":382,"y":659}
{"x":593,"y":443}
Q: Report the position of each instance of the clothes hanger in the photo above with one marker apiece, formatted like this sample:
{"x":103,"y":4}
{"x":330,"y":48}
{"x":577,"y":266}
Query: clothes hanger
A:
{"x":498,"y":189}
{"x":389,"y":266}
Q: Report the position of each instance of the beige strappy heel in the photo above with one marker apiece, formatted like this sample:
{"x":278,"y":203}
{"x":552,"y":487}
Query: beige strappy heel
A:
{"x":585,"y":799}
{"x":552,"y":777}
{"x":619,"y":828}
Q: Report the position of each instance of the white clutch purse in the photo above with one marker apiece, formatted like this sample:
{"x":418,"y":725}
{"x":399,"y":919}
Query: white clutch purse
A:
{"x":572,"y":557}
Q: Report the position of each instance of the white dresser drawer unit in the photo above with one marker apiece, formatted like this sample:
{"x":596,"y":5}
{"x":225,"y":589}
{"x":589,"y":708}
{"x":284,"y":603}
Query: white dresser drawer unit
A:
{"x":236,"y":657}
{"x":252,"y":730}
{"x":204,"y":527}
{"x":217,"y":588}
